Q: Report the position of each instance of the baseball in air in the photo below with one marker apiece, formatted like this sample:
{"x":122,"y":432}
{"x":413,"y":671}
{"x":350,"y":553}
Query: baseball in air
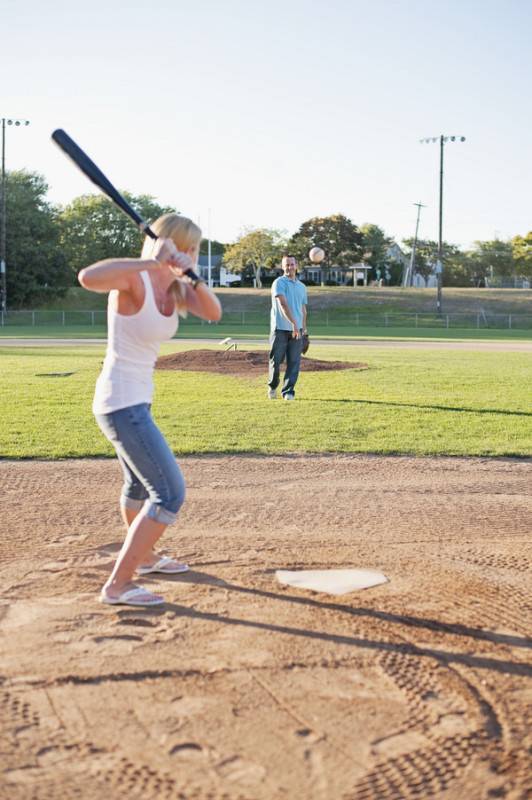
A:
{"x":316,"y":254}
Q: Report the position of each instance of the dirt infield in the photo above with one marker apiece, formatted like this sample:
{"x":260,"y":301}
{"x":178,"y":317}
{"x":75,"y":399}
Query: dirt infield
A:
{"x":241,"y":362}
{"x":242,"y":689}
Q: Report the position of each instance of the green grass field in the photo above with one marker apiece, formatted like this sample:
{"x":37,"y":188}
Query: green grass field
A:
{"x":411,"y":402}
{"x":221,"y":331}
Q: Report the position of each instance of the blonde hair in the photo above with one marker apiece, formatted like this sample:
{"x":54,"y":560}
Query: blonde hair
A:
{"x":185,"y":234}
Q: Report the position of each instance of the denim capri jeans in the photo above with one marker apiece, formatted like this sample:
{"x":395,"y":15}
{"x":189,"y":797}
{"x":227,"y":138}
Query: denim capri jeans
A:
{"x":152,"y":478}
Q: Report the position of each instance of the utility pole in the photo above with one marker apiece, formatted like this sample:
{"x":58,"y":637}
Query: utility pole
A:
{"x":409,"y":273}
{"x":209,"y":260}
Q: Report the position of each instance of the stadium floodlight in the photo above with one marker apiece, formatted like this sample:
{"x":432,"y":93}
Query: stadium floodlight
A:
{"x":439,"y":265}
{"x":3,"y":285}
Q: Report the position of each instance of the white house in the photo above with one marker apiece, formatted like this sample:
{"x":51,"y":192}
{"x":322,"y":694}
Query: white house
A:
{"x":220,"y":276}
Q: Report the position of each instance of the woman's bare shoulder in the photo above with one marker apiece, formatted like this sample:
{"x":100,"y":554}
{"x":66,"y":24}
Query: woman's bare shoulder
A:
{"x":129,"y":301}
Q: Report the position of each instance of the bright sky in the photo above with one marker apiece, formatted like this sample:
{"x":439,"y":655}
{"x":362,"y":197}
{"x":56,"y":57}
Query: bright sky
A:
{"x":270,"y":113}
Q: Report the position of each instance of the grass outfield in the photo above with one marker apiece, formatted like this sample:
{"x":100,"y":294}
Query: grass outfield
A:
{"x":337,"y":298}
{"x":410,"y":402}
{"x":220,"y":331}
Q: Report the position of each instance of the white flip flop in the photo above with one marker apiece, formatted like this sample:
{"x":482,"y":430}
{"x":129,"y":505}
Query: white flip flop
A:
{"x":164,"y":565}
{"x":137,"y":596}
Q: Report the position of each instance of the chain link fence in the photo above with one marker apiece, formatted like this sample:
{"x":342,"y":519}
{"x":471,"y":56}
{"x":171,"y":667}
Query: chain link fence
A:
{"x":318,"y":319}
{"x":38,"y":319}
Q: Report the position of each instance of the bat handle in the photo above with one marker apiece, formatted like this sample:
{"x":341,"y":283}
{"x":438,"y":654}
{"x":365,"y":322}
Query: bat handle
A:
{"x":145,"y":228}
{"x":194,"y":277}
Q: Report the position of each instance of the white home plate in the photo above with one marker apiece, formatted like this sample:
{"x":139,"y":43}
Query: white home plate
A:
{"x":331,"y":581}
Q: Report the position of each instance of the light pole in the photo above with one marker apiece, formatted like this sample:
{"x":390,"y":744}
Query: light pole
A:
{"x":439,"y":266}
{"x":3,"y":284}
{"x":409,"y":273}
{"x":209,"y":258}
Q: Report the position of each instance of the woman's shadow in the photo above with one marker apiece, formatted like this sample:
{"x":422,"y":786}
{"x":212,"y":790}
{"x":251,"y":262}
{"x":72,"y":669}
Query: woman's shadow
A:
{"x":443,"y":656}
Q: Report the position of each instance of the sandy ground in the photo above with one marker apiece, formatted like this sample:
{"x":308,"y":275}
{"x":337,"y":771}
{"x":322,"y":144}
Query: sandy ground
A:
{"x":239,"y":688}
{"x":251,"y":363}
{"x":516,"y":346}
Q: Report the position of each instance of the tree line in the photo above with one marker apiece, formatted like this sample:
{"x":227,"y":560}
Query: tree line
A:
{"x":47,"y":245}
{"x":346,"y":244}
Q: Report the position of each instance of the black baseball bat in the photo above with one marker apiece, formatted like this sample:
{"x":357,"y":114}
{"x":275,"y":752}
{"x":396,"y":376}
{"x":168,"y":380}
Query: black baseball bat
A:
{"x":94,"y":174}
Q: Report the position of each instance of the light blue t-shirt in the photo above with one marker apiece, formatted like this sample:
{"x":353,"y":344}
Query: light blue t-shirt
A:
{"x":295,"y":293}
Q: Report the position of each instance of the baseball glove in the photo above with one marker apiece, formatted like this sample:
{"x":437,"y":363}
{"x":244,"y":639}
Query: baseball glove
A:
{"x":306,"y":343}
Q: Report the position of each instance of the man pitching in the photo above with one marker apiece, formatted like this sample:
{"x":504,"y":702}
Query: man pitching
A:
{"x":287,"y":327}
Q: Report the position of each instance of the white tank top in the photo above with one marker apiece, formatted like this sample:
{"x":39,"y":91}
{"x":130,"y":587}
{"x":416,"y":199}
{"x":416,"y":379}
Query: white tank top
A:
{"x":133,"y":343}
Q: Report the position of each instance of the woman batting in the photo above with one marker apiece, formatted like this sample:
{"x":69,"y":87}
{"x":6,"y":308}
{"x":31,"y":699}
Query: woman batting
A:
{"x":146,"y":296}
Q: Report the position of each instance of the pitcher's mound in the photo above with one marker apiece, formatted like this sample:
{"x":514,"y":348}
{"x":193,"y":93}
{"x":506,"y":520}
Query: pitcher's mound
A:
{"x":240,"y":362}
